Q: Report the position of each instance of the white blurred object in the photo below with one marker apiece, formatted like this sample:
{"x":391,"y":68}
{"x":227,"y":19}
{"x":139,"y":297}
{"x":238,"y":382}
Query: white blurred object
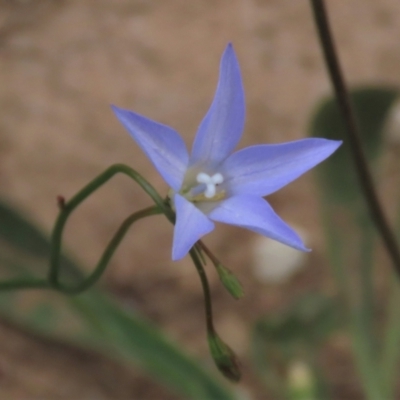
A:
{"x":274,"y":262}
{"x":301,"y":381}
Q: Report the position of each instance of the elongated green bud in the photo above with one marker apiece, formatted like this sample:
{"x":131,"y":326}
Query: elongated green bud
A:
{"x":224,"y":357}
{"x":229,"y":280}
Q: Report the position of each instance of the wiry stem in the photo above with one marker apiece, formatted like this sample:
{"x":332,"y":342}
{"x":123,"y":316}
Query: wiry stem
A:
{"x":108,"y":252}
{"x":67,"y":208}
{"x":206,"y":290}
{"x":353,"y":134}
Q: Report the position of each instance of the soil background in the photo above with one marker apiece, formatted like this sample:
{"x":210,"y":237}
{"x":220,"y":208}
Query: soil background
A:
{"x":62,"y":63}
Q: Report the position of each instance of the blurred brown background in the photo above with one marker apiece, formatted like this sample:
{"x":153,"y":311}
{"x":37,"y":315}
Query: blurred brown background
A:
{"x":62,"y":63}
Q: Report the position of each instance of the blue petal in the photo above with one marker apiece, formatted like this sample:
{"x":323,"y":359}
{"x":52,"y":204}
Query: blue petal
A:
{"x":191,"y":224}
{"x":263,"y":169}
{"x":255,"y":214}
{"x":222,"y":127}
{"x":161,"y":144}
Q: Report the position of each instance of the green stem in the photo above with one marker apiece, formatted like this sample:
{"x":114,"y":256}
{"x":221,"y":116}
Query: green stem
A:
{"x":109,"y":251}
{"x":69,"y":207}
{"x":361,"y":344}
{"x":206,"y":290}
{"x":24,"y":283}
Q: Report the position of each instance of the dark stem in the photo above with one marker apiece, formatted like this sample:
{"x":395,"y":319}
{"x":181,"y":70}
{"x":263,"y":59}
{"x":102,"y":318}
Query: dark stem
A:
{"x":208,"y":252}
{"x":353,"y":133}
{"x":206,"y":290}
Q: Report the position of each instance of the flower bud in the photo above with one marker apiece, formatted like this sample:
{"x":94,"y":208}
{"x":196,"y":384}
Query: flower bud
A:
{"x":229,"y":280}
{"x":224,"y":357}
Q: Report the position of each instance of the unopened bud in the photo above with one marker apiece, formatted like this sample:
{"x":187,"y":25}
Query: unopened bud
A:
{"x":224,"y":357}
{"x":229,"y":280}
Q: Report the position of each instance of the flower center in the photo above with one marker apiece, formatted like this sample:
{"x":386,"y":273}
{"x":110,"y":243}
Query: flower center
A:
{"x":211,"y":183}
{"x":200,"y":187}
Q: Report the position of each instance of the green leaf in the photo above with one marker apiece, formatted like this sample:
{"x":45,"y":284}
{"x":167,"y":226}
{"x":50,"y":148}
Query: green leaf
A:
{"x":93,"y":319}
{"x":349,"y":231}
{"x":308,"y":320}
{"x":17,"y":232}
{"x":371,"y":105}
{"x":139,"y":341}
{"x":294,"y":333}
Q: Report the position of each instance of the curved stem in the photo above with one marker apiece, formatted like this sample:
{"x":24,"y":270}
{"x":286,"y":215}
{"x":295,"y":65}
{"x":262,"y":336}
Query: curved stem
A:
{"x":108,"y":252}
{"x":353,"y":134}
{"x":69,"y":207}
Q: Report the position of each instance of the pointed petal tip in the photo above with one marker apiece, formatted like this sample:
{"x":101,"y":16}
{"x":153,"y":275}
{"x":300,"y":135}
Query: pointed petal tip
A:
{"x":330,"y":145}
{"x":176,"y":256}
{"x":327,"y":147}
{"x":229,"y":53}
{"x":336,"y":143}
{"x":297,"y":244}
{"x":304,"y":249}
{"x":222,"y":127}
{"x":229,"y":47}
{"x":163,"y":145}
{"x":115,"y":108}
{"x":256,"y":214}
{"x":261,"y":170}
{"x":120,"y":113}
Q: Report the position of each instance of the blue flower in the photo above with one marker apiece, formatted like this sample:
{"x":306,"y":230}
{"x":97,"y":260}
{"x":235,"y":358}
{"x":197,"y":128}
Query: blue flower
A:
{"x":215,"y":184}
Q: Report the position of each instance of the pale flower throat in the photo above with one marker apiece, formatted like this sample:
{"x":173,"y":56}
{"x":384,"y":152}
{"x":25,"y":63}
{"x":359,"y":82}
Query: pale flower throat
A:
{"x":204,"y":188}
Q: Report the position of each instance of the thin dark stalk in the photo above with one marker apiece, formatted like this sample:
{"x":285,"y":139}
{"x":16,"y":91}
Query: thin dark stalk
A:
{"x":353,"y":134}
{"x":206,"y":290}
{"x":208,"y":252}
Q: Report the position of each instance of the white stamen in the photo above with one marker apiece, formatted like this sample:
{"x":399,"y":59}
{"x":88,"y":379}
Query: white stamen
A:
{"x":210,"y":182}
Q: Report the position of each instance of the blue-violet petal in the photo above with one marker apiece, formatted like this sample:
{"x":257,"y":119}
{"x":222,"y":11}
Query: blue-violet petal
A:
{"x":263,"y":169}
{"x":191,"y":224}
{"x":255,"y":214}
{"x":222,"y":127}
{"x":162,"y":145}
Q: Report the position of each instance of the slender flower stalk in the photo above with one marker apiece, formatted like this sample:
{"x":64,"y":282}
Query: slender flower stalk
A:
{"x":213,"y":184}
{"x":353,"y":134}
{"x":67,"y":208}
